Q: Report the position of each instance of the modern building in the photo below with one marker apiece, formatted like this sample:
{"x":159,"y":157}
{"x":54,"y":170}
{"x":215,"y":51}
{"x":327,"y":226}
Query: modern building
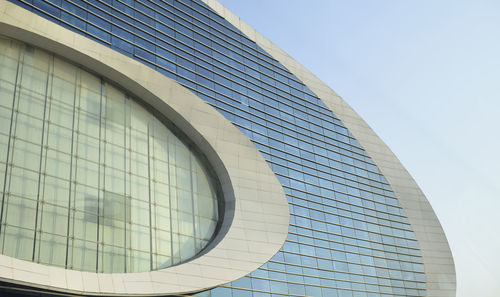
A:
{"x":165,"y":148}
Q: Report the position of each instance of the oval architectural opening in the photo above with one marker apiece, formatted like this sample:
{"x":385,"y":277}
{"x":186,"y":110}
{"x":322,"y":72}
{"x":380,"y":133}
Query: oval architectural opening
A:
{"x":92,"y":179}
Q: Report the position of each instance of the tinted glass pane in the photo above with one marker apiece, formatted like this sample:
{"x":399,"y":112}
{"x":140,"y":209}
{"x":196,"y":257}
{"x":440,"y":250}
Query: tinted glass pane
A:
{"x":94,"y":180}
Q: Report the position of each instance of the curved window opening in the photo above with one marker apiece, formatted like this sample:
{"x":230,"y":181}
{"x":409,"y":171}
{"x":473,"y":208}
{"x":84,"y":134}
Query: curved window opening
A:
{"x":90,"y":178}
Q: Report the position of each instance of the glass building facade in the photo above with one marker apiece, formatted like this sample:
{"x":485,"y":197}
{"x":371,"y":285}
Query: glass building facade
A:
{"x":348,"y":234}
{"x":94,"y":181}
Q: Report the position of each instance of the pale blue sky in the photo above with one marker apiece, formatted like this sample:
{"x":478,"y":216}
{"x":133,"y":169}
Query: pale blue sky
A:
{"x":425,"y":75}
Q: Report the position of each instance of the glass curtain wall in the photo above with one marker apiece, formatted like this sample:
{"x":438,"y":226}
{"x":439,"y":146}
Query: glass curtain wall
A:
{"x":348,"y":234}
{"x":89,"y":178}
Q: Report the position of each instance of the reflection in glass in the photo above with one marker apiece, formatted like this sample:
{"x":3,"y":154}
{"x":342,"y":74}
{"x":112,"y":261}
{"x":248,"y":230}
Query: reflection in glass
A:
{"x":89,"y":178}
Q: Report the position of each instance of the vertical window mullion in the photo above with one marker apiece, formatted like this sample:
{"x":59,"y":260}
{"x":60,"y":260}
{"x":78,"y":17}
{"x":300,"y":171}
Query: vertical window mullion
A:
{"x":149,"y":192}
{"x":100,"y":174}
{"x":71,"y":165}
{"x":125,"y":196}
{"x":191,"y":184}
{"x":49,"y":75}
{"x":170,"y":201}
{"x":11,"y":128}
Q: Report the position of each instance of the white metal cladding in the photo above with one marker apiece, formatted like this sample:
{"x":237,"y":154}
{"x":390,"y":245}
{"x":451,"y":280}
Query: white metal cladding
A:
{"x":436,"y":253}
{"x":256,"y":217}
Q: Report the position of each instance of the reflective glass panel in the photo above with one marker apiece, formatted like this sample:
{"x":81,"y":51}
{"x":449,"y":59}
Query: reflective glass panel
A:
{"x":348,"y":234}
{"x":91,"y":179}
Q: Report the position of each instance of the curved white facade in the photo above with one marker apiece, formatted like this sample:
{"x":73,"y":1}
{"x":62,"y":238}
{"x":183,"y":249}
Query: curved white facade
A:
{"x":438,"y":260}
{"x":256,"y":215}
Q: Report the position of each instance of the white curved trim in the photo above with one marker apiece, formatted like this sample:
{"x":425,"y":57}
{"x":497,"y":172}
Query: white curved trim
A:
{"x":436,"y":253}
{"x":256,"y":214}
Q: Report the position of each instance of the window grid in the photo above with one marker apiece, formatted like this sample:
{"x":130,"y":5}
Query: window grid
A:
{"x":80,"y":189}
{"x":266,"y":100}
{"x":227,"y":65}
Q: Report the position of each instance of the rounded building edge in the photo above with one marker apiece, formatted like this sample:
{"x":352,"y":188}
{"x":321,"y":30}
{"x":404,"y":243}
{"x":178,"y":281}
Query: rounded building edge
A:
{"x":436,"y":253}
{"x":255,"y":202}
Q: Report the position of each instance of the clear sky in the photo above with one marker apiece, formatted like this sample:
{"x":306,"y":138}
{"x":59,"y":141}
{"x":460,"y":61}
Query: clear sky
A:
{"x":425,"y":75}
